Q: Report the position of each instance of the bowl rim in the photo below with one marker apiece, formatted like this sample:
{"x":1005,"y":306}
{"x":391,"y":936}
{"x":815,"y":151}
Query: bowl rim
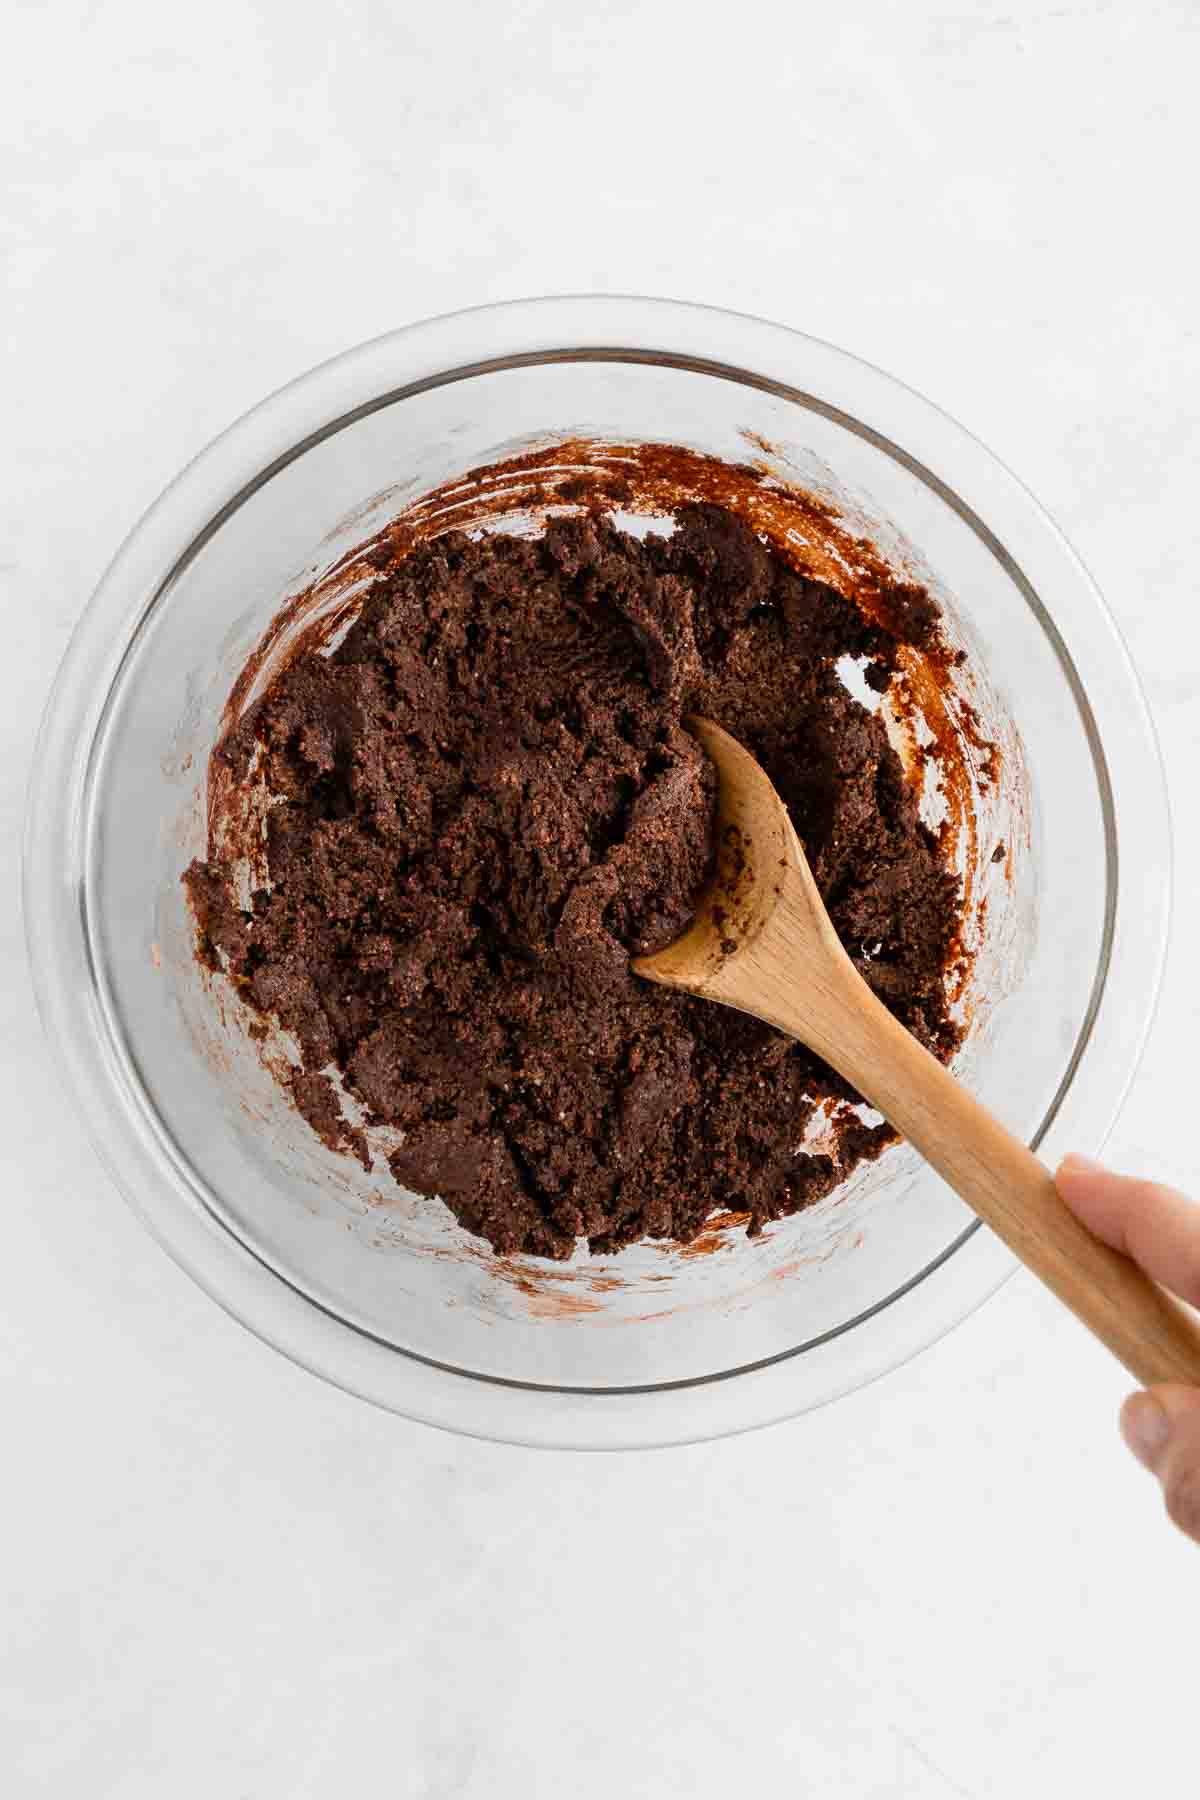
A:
{"x":454,"y":347}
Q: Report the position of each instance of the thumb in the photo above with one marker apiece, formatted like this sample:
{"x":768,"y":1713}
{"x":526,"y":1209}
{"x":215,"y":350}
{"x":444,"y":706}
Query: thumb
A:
{"x":1157,"y":1226}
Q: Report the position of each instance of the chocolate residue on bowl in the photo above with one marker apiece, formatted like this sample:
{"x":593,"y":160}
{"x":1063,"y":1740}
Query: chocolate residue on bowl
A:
{"x":437,"y":836}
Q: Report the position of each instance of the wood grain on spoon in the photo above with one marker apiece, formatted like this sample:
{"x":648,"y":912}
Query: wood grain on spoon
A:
{"x":762,"y":942}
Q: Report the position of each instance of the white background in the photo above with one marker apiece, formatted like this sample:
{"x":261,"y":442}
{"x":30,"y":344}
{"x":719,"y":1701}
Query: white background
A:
{"x":219,"y":1578}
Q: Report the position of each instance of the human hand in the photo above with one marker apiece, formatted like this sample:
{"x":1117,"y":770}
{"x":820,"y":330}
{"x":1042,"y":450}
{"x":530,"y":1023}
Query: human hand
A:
{"x":1160,"y":1229}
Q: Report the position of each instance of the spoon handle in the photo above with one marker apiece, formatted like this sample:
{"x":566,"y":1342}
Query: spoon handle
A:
{"x":1156,"y":1337}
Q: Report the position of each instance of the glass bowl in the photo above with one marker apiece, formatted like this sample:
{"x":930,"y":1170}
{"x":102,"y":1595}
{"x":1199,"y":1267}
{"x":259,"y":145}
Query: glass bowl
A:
{"x":382,"y":1292}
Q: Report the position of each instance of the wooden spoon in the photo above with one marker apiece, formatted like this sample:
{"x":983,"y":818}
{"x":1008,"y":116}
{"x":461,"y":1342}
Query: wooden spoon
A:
{"x":762,"y":942}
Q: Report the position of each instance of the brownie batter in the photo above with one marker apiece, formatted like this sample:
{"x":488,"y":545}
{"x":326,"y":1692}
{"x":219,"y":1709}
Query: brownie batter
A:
{"x":484,"y":802}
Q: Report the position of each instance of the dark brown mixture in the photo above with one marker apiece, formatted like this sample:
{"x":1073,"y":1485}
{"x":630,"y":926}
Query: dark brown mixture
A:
{"x":486,"y":802}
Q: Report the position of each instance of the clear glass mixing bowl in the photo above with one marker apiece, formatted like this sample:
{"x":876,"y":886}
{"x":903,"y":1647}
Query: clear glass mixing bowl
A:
{"x":381,"y":1292}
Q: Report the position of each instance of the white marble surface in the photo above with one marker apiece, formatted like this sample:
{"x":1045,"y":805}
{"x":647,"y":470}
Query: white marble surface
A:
{"x":217,"y":1576}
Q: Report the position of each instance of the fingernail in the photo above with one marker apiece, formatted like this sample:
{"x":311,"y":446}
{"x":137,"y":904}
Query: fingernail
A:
{"x":1075,"y":1164}
{"x":1145,"y":1427}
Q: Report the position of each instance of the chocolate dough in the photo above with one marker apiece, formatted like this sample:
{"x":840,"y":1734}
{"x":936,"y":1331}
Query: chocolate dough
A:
{"x":485,"y":802}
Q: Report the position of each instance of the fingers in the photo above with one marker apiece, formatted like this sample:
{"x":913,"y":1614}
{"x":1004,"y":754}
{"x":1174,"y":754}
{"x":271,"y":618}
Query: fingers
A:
{"x":1162,"y":1428}
{"x":1160,"y":1229}
{"x":1157,"y":1226}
